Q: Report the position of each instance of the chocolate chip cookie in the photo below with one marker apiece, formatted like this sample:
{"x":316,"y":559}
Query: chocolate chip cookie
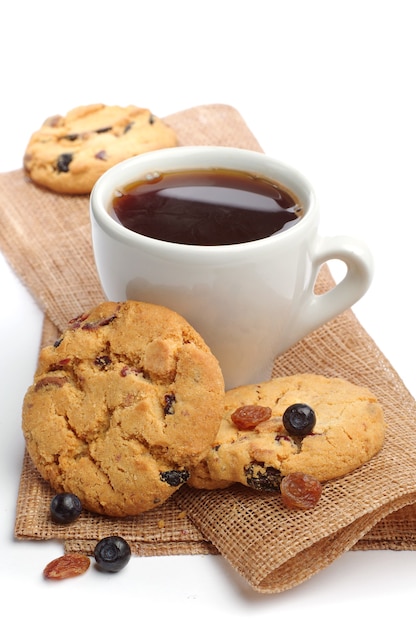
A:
{"x":122,"y":407}
{"x":254,"y":447}
{"x":69,"y":153}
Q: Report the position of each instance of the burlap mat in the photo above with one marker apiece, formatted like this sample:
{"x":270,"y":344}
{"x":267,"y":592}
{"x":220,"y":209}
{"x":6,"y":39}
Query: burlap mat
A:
{"x":46,"y":238}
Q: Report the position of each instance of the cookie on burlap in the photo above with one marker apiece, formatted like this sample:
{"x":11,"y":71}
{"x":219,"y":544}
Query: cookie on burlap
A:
{"x":122,"y":406}
{"x":349,"y":431}
{"x":69,"y":153}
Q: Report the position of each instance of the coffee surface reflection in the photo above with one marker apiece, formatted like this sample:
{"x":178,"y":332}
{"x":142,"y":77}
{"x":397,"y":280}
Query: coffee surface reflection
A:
{"x":206,"y":207}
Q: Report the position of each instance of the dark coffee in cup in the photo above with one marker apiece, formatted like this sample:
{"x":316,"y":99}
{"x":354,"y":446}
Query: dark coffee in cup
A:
{"x":206,"y":207}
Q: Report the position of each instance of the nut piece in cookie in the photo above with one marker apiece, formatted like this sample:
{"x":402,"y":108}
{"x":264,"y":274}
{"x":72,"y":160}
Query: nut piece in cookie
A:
{"x":69,"y":153}
{"x":253,"y":447}
{"x":121,"y":408}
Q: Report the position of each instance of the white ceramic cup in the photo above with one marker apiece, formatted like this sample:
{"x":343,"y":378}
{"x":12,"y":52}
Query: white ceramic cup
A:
{"x":249,"y":301}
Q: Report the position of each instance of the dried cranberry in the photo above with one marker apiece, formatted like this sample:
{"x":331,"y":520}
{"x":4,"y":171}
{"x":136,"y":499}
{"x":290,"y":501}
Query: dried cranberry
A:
{"x":101,"y":155}
{"x":60,"y":365}
{"x":98,"y":323}
{"x":76,"y":322}
{"x":280,"y":437}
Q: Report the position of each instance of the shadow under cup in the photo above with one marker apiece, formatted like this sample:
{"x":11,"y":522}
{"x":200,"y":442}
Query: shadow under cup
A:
{"x":249,"y":300}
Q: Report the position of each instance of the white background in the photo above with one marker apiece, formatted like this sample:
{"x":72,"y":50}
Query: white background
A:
{"x":327,"y":87}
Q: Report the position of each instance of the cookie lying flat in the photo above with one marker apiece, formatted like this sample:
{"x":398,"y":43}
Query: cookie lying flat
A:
{"x":69,"y":153}
{"x":122,"y":406}
{"x":349,"y":430}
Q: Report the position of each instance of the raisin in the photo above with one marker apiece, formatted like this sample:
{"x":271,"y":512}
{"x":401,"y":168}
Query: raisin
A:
{"x":63,"y":162}
{"x":101,"y":155}
{"x":128,"y":127}
{"x":262,"y":478}
{"x":58,"y":342}
{"x":169,"y":408}
{"x":72,"y":137}
{"x":247,"y":417}
{"x":66,"y":566}
{"x":151,"y":119}
{"x":174,"y":478}
{"x":300,"y":491}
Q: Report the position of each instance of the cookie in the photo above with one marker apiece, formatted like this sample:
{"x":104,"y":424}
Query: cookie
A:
{"x":349,"y":430}
{"x":122,"y":406}
{"x":69,"y":153}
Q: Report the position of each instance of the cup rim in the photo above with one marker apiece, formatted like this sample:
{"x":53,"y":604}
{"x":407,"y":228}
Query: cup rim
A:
{"x":131,"y":169}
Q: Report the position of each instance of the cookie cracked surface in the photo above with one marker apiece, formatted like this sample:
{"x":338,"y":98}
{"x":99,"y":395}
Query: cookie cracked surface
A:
{"x":121,"y":408}
{"x":69,"y":153}
{"x":349,"y":431}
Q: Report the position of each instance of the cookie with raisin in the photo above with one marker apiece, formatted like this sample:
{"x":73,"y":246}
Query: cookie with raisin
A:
{"x":70,"y":152}
{"x":122,"y":406}
{"x":323,"y":427}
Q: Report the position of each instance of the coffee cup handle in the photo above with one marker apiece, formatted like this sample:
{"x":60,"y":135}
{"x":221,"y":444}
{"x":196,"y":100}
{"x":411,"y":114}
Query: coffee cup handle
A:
{"x":317,"y":309}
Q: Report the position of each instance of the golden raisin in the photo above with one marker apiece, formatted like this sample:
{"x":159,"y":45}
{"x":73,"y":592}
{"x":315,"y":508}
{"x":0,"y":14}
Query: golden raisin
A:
{"x":247,"y":417}
{"x":300,"y":491}
{"x":66,"y":566}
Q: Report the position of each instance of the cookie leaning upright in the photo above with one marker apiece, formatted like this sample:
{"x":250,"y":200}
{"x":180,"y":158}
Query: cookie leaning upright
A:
{"x":124,"y":404}
{"x":348,"y":432}
{"x":69,"y":153}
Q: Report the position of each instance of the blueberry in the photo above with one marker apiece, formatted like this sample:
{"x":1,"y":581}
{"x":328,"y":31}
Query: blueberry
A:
{"x":299,"y":419}
{"x":112,"y":554}
{"x":65,"y":508}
